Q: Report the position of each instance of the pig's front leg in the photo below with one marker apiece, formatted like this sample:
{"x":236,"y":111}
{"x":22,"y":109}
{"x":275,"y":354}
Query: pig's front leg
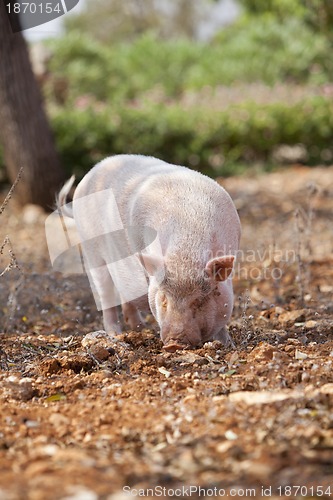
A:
{"x":224,"y":337}
{"x":132,"y":316}
{"x":111,"y":321}
{"x":102,"y":284}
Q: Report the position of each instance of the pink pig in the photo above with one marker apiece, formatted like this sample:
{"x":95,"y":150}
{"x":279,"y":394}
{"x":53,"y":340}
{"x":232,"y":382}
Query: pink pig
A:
{"x":187,"y":258}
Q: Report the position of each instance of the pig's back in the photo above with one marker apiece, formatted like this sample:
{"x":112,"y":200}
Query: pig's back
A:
{"x":184,"y":206}
{"x":122,"y":173}
{"x":189,"y":210}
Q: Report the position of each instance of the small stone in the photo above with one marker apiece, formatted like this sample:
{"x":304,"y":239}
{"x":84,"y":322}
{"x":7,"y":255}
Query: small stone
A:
{"x":264,"y":397}
{"x":31,"y":424}
{"x":96,"y":337}
{"x":21,"y":389}
{"x":288,"y":318}
{"x":327,"y":388}
{"x":164,"y":371}
{"x":230,"y":435}
{"x":31,"y":214}
{"x":300,"y":355}
{"x":311,"y":323}
{"x":99,"y":352}
{"x":263,"y":352}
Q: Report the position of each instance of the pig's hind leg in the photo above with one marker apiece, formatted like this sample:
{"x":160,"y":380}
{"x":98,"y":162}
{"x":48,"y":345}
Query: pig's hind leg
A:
{"x":135,"y":312}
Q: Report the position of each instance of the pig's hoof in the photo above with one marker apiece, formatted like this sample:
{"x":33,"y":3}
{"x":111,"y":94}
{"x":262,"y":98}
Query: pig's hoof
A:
{"x":174,"y":346}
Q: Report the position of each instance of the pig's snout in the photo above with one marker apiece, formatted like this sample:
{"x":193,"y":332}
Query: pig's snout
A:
{"x":173,"y":345}
{"x":175,"y":341}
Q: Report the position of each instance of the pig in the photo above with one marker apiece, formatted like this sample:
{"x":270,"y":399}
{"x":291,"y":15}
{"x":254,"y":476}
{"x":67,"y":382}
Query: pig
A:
{"x":187,"y":267}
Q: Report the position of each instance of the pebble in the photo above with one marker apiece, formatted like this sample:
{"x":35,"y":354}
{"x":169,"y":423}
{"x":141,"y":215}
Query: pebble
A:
{"x":20,"y":388}
{"x":291,"y":317}
{"x":32,"y":214}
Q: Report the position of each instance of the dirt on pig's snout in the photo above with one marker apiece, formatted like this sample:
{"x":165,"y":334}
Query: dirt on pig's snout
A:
{"x":174,"y":345}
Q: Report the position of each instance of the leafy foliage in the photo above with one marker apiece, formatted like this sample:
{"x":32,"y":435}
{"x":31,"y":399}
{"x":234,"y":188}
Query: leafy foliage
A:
{"x":316,"y":14}
{"x":110,"y":21}
{"x":208,"y":140}
{"x":264,"y":49}
{"x":248,"y":51}
{"x":146,"y":95}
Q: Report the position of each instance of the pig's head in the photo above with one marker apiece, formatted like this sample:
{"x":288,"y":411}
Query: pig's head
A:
{"x":193,"y":302}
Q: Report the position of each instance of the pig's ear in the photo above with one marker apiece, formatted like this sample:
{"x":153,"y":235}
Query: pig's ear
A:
{"x":152,"y":263}
{"x":220,"y":268}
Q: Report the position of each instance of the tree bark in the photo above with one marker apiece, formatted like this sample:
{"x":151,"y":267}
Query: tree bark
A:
{"x":25,"y":134}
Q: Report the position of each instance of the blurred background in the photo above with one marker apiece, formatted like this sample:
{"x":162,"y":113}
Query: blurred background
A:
{"x":219,"y":86}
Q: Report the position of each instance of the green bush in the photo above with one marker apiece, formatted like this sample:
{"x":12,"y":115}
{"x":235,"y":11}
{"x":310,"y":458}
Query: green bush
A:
{"x":251,"y":50}
{"x":122,"y":71}
{"x":128,"y":98}
{"x":212,"y":142}
{"x":316,"y":14}
{"x":263,"y":49}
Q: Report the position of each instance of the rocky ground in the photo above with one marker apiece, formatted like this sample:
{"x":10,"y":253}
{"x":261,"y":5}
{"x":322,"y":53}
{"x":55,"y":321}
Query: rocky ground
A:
{"x":87,"y":418}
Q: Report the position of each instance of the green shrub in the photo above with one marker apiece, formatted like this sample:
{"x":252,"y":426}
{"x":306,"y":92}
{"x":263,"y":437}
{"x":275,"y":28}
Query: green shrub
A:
{"x":317,"y":14}
{"x":83,"y":137}
{"x":128,"y":98}
{"x":252,"y":50}
{"x":263,"y":49}
{"x":122,"y":71}
{"x":212,"y":142}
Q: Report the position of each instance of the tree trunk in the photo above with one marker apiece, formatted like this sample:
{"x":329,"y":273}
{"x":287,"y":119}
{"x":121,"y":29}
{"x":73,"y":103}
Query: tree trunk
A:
{"x":25,"y":134}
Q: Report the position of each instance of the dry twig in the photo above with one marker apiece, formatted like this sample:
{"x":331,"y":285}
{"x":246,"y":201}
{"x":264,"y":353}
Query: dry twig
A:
{"x":10,"y":192}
